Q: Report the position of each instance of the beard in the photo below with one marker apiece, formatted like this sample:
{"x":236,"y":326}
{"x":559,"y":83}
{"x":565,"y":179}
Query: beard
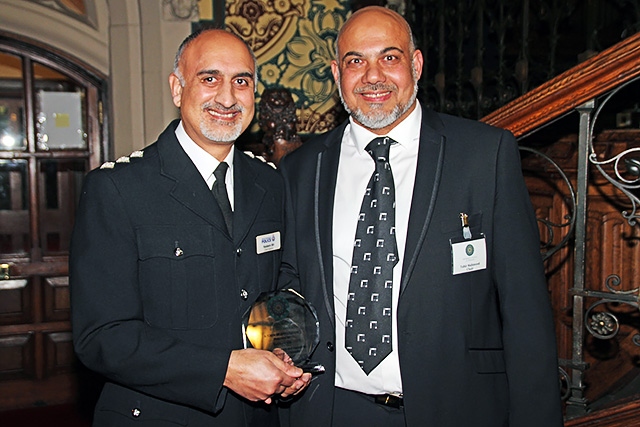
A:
{"x":378,"y":118}
{"x":221,"y":131}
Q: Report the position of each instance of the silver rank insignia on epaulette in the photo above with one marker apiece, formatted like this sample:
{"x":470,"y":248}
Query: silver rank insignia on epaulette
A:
{"x":250,"y":154}
{"x":124,"y":159}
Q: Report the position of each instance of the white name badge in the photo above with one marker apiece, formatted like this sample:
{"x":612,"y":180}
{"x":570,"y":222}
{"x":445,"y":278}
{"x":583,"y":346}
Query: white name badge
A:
{"x":468,"y":256}
{"x":268,"y":242}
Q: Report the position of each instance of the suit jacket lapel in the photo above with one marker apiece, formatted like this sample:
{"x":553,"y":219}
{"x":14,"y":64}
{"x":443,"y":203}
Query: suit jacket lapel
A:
{"x":248,"y":195}
{"x":189,"y":187}
{"x":324,"y":193}
{"x":425,"y":191}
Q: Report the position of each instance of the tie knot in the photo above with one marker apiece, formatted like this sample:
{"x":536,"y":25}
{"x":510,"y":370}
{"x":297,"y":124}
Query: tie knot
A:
{"x":221,"y":171}
{"x":378,"y":148}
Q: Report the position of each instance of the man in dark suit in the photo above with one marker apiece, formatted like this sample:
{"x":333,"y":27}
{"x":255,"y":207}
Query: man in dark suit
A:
{"x":162,"y":270}
{"x":471,"y":337}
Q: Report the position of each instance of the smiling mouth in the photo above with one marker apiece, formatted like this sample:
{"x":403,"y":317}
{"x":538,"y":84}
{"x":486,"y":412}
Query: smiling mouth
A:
{"x":224,"y":116}
{"x":375,"y":96}
{"x":222,"y":113}
{"x":375,"y":93}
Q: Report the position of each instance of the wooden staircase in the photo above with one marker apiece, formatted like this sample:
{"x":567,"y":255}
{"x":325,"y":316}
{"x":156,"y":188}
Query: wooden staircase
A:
{"x":549,"y":102}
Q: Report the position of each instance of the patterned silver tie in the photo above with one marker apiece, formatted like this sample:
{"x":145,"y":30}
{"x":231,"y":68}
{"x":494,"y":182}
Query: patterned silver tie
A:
{"x":219,"y":191}
{"x":375,"y":253}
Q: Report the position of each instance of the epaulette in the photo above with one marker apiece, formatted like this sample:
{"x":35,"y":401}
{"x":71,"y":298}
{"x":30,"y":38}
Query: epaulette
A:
{"x":124,"y":159}
{"x":253,"y":156}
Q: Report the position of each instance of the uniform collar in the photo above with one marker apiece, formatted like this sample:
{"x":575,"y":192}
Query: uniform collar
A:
{"x":203,"y":161}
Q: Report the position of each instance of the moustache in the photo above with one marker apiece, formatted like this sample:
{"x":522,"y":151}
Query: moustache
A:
{"x":222,"y":108}
{"x":375,"y":87}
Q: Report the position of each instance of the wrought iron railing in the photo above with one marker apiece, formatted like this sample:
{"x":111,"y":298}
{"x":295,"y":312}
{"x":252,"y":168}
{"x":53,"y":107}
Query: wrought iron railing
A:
{"x":586,"y":90}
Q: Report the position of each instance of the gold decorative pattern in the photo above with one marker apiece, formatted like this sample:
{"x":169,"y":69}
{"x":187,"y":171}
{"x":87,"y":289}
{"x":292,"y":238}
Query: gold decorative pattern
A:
{"x":294,"y":42}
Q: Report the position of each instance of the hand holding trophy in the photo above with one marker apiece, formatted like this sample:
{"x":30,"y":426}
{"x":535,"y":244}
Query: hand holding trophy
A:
{"x":283,"y":319}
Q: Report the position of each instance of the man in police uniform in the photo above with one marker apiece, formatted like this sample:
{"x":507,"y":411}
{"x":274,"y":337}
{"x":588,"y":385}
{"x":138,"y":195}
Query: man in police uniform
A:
{"x":159,"y":280}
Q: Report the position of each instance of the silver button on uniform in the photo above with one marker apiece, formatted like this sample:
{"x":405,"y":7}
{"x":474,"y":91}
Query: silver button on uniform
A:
{"x":244,"y":294}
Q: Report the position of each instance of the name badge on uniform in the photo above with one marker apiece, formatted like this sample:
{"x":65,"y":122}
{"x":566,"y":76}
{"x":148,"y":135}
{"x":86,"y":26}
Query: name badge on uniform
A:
{"x":268,"y":242}
{"x":468,"y":254}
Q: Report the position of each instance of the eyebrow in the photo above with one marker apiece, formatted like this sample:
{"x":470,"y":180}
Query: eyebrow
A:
{"x":246,"y":74}
{"x":382,"y":52}
{"x":208,"y":72}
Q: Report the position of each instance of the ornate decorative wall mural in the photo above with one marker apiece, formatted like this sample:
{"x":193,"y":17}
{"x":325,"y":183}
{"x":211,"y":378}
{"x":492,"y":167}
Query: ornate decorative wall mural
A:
{"x":294,"y":42}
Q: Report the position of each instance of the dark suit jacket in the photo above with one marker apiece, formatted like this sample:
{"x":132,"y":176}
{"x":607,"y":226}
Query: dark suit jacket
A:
{"x":476,"y":349}
{"x":158,"y":287}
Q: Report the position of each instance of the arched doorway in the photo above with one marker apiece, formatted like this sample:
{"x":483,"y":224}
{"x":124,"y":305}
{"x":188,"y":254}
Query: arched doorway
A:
{"x":53,"y":129}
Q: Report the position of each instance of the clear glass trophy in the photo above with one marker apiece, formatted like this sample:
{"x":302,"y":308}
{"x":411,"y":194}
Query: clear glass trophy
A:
{"x":283,"y":319}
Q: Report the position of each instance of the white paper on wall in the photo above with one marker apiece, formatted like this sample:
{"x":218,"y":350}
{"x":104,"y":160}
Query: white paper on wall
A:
{"x":60,"y":121}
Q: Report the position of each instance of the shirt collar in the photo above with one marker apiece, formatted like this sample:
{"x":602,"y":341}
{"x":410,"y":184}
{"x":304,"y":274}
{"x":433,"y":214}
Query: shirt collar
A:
{"x":404,"y":133}
{"x":203,"y":161}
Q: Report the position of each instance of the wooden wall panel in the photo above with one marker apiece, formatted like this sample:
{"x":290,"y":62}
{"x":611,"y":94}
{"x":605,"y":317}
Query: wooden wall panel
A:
{"x":59,"y":354}
{"x":15,"y":301}
{"x":17,"y":356}
{"x":57,"y":304}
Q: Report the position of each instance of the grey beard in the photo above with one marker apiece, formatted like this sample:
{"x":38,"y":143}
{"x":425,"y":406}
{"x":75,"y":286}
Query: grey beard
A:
{"x":229,"y":135}
{"x":221,"y":135}
{"x":379,"y":119}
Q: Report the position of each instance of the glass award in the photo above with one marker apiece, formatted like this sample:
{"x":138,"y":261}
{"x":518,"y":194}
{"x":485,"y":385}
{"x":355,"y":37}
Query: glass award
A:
{"x":283,"y":319}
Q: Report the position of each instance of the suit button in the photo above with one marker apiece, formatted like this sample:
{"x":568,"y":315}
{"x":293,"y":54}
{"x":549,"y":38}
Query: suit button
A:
{"x":244,"y":294}
{"x":135,"y":412}
{"x":239,"y":251}
{"x":330,"y":346}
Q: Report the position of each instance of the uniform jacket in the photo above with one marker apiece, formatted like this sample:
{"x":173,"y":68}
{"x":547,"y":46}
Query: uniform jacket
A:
{"x":476,"y":349}
{"x":158,"y":287}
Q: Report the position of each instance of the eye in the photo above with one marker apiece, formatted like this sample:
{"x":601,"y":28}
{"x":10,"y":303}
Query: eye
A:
{"x":354,"y":62}
{"x":390,"y":57}
{"x":209,"y":79}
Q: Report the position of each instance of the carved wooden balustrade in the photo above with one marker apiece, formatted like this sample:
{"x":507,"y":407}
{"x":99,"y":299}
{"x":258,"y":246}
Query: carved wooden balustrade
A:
{"x":580,"y":139}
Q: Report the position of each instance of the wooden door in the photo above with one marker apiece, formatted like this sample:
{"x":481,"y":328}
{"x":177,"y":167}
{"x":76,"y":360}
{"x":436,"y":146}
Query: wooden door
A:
{"x":51,"y":133}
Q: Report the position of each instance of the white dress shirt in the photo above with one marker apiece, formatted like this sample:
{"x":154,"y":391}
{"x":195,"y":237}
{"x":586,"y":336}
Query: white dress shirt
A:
{"x":354,"y":170}
{"x":205,"y":162}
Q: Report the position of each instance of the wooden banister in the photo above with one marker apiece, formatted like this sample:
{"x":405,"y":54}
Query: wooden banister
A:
{"x":585,"y":81}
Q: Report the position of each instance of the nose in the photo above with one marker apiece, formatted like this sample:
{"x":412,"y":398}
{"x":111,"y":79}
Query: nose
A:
{"x":225,"y":95}
{"x":373,"y":74}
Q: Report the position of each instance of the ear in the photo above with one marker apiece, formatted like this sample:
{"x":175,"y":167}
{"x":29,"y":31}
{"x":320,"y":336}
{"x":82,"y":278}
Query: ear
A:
{"x":335,"y":70}
{"x":418,"y":62}
{"x":176,"y":89}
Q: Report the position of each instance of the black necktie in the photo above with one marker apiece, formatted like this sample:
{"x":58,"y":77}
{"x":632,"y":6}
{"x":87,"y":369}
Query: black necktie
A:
{"x":219,"y":191}
{"x":368,"y":323}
